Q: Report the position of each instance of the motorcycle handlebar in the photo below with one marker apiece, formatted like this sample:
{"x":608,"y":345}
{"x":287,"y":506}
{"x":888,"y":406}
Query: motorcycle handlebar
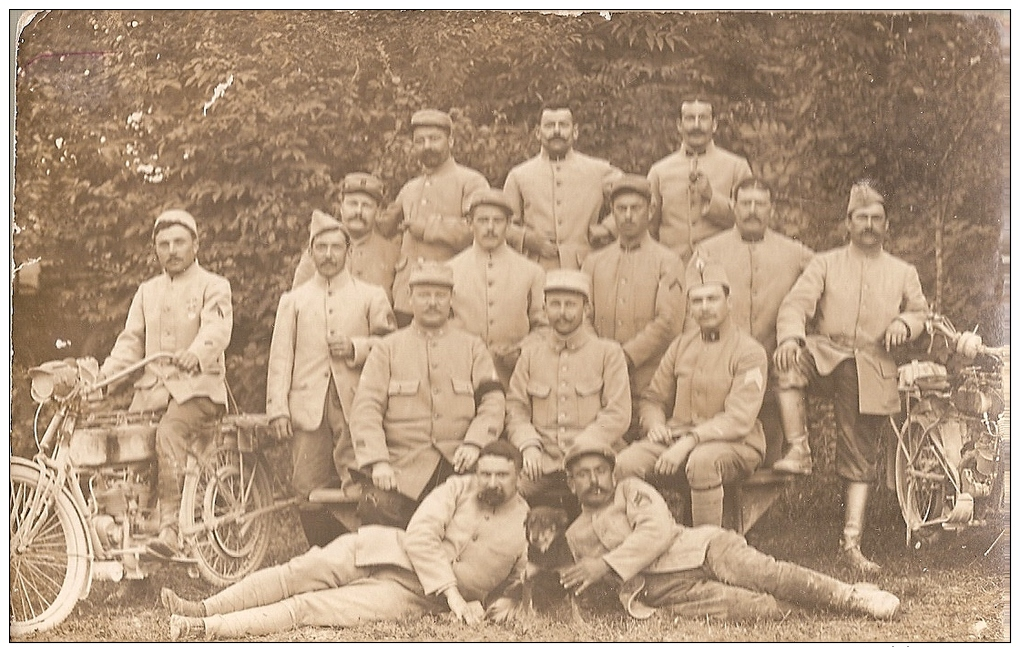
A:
{"x":127,"y":371}
{"x":968,"y":344}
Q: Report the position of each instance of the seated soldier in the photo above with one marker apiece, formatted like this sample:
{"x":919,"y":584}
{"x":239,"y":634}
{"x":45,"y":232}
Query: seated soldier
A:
{"x":627,"y":537}
{"x":712,"y":382}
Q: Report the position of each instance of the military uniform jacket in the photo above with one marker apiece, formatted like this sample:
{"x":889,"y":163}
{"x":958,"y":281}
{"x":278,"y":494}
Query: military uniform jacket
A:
{"x":559,"y":200}
{"x":852,"y":297}
{"x":300,"y":365}
{"x":713,"y":389}
{"x":191,"y":312}
{"x":562,"y":389}
{"x":437,"y":201}
{"x":372,"y":259}
{"x":636,"y":534}
{"x":498,"y":296}
{"x":761,"y":273}
{"x":416,"y":402}
{"x":630,"y":294}
{"x":678,"y":227}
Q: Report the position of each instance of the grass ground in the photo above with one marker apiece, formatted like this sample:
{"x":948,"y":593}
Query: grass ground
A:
{"x":950,"y":591}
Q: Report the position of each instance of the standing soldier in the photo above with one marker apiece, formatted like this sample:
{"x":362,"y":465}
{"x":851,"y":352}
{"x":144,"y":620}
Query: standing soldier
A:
{"x":497,"y":293}
{"x":324,"y":330}
{"x":429,"y":397}
{"x":631,"y":284}
{"x":569,"y":384}
{"x":557,"y":196}
{"x":430,"y":208}
{"x":863,"y":302}
{"x":371,"y":258}
{"x":691,"y":188}
{"x":762,"y":265}
{"x":186,"y":311}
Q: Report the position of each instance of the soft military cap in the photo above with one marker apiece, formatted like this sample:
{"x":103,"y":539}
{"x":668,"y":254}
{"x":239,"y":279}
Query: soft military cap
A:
{"x":632,"y":184}
{"x":701,"y":273}
{"x":588,"y":447}
{"x":863,"y":194}
{"x":363,"y":183}
{"x":495,"y":197}
{"x":176,"y":217}
{"x":429,"y":117}
{"x":432,"y":274}
{"x":323,"y":222}
{"x":568,"y":281}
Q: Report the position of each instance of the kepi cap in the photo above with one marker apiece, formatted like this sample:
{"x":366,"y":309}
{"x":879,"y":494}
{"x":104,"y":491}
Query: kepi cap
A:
{"x":863,"y":194}
{"x":631,"y":183}
{"x":701,"y":272}
{"x":568,"y":281}
{"x":323,"y":222}
{"x":431,"y":273}
{"x":363,"y":183}
{"x":430,"y":117}
{"x":588,"y":446}
{"x":176,"y":217}
{"x":495,"y":197}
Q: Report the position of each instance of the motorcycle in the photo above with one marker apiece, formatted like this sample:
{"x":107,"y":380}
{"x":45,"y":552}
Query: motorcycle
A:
{"x":952,"y":448}
{"x":84,"y":507}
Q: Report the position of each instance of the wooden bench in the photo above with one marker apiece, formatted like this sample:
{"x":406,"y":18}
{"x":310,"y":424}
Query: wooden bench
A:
{"x":744,"y":503}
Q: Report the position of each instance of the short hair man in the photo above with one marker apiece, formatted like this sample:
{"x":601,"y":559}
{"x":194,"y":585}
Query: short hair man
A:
{"x":627,"y":536}
{"x":864,"y":302}
{"x":568,"y":384}
{"x":429,"y":398}
{"x":557,"y":196}
{"x":464,"y":542}
{"x":710,"y":385}
{"x":430,"y":208}
{"x":762,"y":265}
{"x":691,"y":188}
{"x":186,"y":311}
{"x":371,"y":257}
{"x":632,"y":283}
{"x":497,"y":292}
{"x":323,"y":333}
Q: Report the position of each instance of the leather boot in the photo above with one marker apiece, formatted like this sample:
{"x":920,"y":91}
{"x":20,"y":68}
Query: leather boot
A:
{"x":185,"y":629}
{"x":793,"y":412}
{"x":707,"y":507}
{"x":178,"y":606}
{"x":870,"y":600}
{"x":856,"y":504}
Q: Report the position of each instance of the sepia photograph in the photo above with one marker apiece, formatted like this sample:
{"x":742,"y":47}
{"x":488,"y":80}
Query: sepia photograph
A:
{"x":510,"y":326}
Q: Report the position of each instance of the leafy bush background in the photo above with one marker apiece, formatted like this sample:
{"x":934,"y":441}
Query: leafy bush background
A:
{"x":116,"y":120}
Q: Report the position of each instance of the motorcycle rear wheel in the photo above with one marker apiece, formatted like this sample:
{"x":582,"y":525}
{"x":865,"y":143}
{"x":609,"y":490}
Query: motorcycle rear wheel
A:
{"x":229,"y":487}
{"x":48,"y":574}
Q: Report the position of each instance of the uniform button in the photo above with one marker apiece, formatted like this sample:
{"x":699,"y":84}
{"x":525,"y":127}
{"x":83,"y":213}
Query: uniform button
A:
{"x":436,"y":415}
{"x":435,"y":389}
{"x":563,"y":397}
{"x":474,"y":537}
{"x":329,"y":293}
{"x":563,"y":430}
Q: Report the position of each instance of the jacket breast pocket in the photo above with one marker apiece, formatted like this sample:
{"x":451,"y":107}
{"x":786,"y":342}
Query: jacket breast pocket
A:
{"x":589,"y":400}
{"x":403,"y":400}
{"x":463,"y":404}
{"x":543,"y":410}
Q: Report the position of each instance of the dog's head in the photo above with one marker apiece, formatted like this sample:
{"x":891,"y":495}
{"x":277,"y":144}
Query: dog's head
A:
{"x":543,"y":525}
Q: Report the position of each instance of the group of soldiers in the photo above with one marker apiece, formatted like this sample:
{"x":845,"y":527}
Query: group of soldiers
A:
{"x":477,"y":350}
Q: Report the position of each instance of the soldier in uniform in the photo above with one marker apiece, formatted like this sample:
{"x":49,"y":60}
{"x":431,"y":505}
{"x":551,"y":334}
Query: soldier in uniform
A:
{"x":371,"y":258}
{"x":761,"y":265}
{"x":557,"y":196}
{"x":430,"y":209}
{"x":568,"y":384}
{"x":691,"y":188}
{"x":323,"y":333}
{"x":429,"y":398}
{"x":186,"y":311}
{"x":464,"y":542}
{"x":699,"y":412}
{"x":497,"y":292}
{"x":632,"y":281}
{"x":863,"y":302}
{"x":626,"y":536}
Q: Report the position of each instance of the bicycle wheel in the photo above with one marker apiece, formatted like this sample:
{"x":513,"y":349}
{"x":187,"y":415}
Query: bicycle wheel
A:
{"x":922,"y":486}
{"x":222,"y":502}
{"x":49,"y":555}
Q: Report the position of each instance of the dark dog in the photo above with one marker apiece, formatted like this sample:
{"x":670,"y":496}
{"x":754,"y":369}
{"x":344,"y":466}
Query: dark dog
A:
{"x":548,"y":555}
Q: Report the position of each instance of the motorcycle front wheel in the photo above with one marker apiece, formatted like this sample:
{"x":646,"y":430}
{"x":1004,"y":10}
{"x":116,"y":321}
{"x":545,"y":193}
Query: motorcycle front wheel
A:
{"x":49,"y":554}
{"x":222,"y":505}
{"x":922,"y":484}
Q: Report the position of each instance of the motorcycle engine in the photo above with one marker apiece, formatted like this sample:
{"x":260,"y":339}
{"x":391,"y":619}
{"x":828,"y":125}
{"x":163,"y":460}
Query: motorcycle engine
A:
{"x":122,"y":495}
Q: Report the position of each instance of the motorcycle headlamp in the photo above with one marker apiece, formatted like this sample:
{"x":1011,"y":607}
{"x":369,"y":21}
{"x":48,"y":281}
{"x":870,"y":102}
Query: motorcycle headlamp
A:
{"x":53,"y":379}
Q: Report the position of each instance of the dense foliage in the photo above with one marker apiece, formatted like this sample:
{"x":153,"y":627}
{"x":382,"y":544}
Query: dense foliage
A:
{"x":248,"y":119}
